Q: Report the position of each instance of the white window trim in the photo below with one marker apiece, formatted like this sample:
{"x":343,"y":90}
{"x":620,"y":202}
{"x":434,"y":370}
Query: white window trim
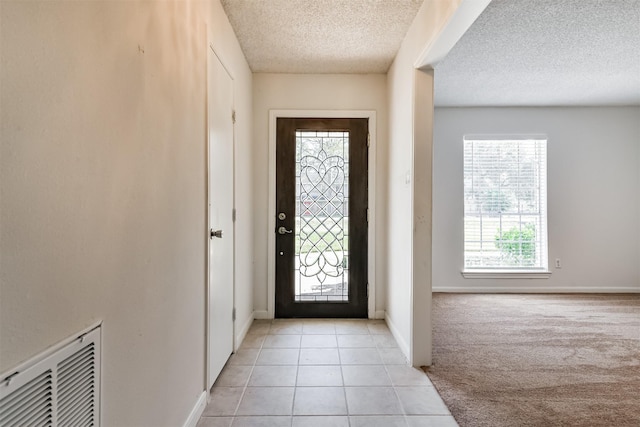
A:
{"x":505,"y":274}
{"x":479,"y":273}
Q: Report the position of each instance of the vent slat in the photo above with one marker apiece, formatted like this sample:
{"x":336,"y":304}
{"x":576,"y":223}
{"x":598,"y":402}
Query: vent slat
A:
{"x":81,"y":390}
{"x":69,"y":369}
{"x":70,"y":376}
{"x":46,"y":421}
{"x":38,"y":419}
{"x":80,"y":376}
{"x":26,"y":399}
{"x":71,"y":404}
{"x":36,"y":383}
{"x":73,"y":366}
{"x":31,"y":402}
{"x":87,"y":419}
{"x":76,"y":418}
{"x":67,"y":364}
{"x":68,"y":388}
{"x":37,"y":401}
{"x":22,"y":418}
{"x":82,"y":417}
{"x":76,"y":383}
{"x":77,"y":354}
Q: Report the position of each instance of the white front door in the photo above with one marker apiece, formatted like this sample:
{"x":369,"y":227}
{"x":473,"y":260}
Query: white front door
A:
{"x":221,"y":245}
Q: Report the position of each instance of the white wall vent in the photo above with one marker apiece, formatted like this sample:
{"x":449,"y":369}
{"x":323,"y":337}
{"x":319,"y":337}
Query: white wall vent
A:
{"x":58,"y":388}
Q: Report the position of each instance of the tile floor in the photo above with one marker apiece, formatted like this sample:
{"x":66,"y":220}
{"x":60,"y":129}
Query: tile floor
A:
{"x":322,"y":373}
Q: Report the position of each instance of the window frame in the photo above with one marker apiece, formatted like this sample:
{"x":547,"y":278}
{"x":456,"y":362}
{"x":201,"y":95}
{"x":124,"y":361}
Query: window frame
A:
{"x":542,"y":272}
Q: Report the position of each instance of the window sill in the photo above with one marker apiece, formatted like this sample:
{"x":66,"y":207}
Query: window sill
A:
{"x":505,"y":274}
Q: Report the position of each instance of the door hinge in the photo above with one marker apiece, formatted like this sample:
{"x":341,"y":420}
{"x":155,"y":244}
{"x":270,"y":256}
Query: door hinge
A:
{"x":368,"y":140}
{"x":233,"y":314}
{"x":233,"y":214}
{"x":367,"y":214}
{"x":233,"y":116}
{"x":367,"y":289}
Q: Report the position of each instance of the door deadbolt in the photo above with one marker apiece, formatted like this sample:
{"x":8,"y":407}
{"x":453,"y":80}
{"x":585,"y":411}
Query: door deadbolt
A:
{"x":282,"y":216}
{"x":216,"y":233}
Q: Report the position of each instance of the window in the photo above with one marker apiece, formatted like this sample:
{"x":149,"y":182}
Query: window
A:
{"x":505,"y":204}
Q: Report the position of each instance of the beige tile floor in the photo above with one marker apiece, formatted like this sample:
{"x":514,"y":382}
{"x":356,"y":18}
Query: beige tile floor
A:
{"x":322,"y":373}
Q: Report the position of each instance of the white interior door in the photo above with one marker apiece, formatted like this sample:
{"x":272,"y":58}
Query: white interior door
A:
{"x":221,"y":245}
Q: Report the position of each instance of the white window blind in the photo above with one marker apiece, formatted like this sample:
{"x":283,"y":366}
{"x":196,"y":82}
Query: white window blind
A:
{"x":505,"y":204}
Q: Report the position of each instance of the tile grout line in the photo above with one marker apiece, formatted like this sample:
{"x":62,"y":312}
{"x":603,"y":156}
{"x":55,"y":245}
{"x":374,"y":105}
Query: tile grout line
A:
{"x":246,"y":385}
{"x":295,"y":383}
{"x":244,"y":390}
{"x":395,"y":392}
{"x":344,"y":386}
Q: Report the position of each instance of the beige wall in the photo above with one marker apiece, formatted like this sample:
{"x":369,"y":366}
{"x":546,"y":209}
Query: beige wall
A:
{"x":401,"y":190}
{"x":314,"y":92}
{"x":593,"y":196}
{"x":103,"y":202}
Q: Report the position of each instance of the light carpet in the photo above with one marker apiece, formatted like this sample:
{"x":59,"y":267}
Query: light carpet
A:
{"x":538,"y":360}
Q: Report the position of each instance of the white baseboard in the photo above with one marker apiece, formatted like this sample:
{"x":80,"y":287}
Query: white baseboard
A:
{"x":261,"y":314}
{"x":380,"y":314}
{"x":404,"y":347}
{"x":197,"y":411}
{"x":243,"y":331}
{"x":536,"y":290}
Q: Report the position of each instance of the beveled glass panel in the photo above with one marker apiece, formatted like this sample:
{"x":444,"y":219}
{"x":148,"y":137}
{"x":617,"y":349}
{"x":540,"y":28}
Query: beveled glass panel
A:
{"x":322,"y":221}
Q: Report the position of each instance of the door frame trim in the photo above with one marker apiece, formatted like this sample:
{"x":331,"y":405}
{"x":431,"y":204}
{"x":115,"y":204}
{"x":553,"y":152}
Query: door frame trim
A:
{"x":271,"y":222}
{"x":210,"y":46}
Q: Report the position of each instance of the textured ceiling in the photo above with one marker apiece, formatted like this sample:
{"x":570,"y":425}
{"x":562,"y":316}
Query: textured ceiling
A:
{"x":545,"y":52}
{"x":320,"y":36}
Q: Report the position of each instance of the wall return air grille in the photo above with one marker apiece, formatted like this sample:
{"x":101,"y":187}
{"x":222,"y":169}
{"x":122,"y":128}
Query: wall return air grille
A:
{"x":58,"y":388}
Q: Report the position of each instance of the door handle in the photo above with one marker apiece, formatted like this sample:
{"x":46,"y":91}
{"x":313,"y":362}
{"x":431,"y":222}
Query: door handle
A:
{"x":283,"y":230}
{"x":216,"y":233}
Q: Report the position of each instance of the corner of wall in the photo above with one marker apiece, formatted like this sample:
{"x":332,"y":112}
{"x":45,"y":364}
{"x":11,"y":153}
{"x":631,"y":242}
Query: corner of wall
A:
{"x":196,"y":412}
{"x":242,"y":333}
{"x":261,"y":315}
{"x":402,"y":343}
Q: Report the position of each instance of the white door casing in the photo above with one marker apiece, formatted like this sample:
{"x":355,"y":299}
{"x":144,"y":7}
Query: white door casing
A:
{"x":220,"y":293}
{"x":271,"y":262}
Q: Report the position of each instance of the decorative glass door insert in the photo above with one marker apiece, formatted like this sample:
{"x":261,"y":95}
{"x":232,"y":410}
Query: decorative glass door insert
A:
{"x":322,"y":216}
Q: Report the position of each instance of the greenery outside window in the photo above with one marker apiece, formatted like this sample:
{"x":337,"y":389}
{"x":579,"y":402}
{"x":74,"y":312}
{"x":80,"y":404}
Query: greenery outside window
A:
{"x":505,"y":204}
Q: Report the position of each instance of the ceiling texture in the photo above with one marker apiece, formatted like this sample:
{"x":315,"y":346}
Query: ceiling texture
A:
{"x":320,"y":36}
{"x":517,"y":53}
{"x":545,"y":53}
